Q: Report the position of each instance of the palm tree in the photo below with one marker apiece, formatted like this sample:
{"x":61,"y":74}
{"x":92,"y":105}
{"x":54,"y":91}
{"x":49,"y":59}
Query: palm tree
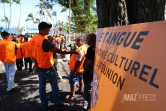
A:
{"x":1,"y":28}
{"x":20,"y":30}
{"x":18,"y":2}
{"x":42,"y":8}
{"x":5,"y":1}
{"x":54,"y":14}
{"x":10,"y":3}
{"x":37,"y":21}
{"x":6,"y":20}
{"x":30,"y":18}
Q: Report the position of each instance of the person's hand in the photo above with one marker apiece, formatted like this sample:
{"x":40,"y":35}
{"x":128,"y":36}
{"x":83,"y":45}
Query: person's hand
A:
{"x":35,"y":67}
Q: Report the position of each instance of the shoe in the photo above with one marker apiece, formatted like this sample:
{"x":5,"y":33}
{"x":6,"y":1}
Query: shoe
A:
{"x":70,"y":98}
{"x":19,"y":72}
{"x":59,"y":104}
{"x":46,"y":109}
{"x":31,"y":72}
{"x":62,"y":80}
{"x":26,"y":69}
{"x":85,"y":105}
{"x":79,"y":91}
{"x":12,"y":91}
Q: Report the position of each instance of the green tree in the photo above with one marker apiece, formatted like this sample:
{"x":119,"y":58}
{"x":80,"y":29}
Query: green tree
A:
{"x":1,"y":28}
{"x":43,"y":7}
{"x":83,"y":14}
{"x":5,"y":1}
{"x":20,"y":30}
{"x":123,"y":12}
{"x":6,"y":20}
{"x":10,"y":3}
{"x":31,"y":18}
{"x":37,"y":21}
{"x":54,"y":14}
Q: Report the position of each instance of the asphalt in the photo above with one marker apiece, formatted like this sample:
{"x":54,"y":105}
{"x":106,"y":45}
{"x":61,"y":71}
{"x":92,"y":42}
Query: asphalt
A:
{"x":26,"y":98}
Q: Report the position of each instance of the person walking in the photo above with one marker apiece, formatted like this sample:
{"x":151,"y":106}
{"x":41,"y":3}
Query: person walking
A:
{"x":41,"y":53}
{"x":25,"y":52}
{"x":8,"y":57}
{"x":19,"y":57}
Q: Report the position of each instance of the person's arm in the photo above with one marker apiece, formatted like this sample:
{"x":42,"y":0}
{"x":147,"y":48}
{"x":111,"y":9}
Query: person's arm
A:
{"x":35,"y":62}
{"x":57,"y":50}
{"x":48,"y":46}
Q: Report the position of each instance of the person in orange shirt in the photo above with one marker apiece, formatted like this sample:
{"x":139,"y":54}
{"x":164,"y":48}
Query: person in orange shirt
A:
{"x":54,"y":41}
{"x":76,"y":67}
{"x":25,"y":52}
{"x":20,"y":38}
{"x":41,"y":53}
{"x":8,"y":57}
{"x":19,"y":56}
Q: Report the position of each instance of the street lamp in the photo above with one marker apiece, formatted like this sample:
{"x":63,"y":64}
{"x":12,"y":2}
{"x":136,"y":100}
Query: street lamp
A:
{"x":67,"y":56}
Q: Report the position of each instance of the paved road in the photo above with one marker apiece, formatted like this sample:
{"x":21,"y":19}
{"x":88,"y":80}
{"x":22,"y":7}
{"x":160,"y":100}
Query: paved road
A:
{"x":27,"y":96}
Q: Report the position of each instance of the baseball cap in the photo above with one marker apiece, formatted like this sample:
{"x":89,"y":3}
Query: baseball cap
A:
{"x":4,"y":33}
{"x":43,"y":25}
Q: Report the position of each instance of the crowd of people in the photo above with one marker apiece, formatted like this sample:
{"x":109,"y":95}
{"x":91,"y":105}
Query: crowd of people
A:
{"x":41,"y":50}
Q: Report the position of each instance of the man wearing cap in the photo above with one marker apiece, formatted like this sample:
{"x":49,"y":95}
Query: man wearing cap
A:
{"x":41,"y":53}
{"x":8,"y":57}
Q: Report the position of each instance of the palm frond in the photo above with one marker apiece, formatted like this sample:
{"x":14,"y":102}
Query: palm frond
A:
{"x":28,"y":19}
{"x":63,"y":10}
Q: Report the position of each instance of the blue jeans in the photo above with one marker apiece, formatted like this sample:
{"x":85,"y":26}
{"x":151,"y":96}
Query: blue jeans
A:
{"x":50,"y":75}
{"x":10,"y":73}
{"x":73,"y":79}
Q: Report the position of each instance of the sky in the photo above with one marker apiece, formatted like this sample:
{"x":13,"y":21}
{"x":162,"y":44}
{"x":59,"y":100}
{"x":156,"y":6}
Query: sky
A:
{"x":28,"y":6}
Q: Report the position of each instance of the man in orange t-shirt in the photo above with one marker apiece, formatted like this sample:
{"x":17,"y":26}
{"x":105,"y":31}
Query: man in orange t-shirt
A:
{"x":8,"y":57}
{"x":41,"y":53}
{"x":19,"y":56}
{"x":25,"y":52}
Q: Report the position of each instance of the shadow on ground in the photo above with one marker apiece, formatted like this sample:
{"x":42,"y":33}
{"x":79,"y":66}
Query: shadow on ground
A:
{"x":27,"y":98}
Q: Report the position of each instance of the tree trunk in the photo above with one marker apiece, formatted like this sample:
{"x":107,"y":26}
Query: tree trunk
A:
{"x":33,"y":23}
{"x":10,"y":17}
{"x":123,"y":12}
{"x":111,"y":13}
{"x":53,"y":20}
{"x":41,"y":18}
{"x":4,"y":13}
{"x":19,"y":17}
{"x":140,"y":11}
{"x":46,"y":18}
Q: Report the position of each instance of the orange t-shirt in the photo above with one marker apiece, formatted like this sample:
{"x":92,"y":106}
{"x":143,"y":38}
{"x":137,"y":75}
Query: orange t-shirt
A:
{"x":7,"y":53}
{"x":44,"y":59}
{"x":25,"y":49}
{"x":72,"y":61}
{"x":19,"y":52}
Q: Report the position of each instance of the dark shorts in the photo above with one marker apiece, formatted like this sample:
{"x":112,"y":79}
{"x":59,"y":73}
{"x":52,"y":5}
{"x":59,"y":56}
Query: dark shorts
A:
{"x":76,"y":78}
